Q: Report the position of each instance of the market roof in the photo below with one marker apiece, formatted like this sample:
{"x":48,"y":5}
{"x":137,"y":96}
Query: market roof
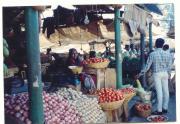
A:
{"x":17,"y":15}
{"x":151,"y":7}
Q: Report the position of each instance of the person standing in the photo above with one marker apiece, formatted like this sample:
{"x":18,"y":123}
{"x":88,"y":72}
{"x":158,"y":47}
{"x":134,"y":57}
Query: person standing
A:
{"x":126,"y":52}
{"x":166,"y":47}
{"x":132,"y":51}
{"x":160,"y":61}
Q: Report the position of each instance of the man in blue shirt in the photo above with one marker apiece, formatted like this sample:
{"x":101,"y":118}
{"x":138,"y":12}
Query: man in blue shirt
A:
{"x":160,"y":62}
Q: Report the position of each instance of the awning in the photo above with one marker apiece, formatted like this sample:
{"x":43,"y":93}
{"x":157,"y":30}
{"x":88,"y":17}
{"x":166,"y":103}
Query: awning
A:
{"x":151,"y":8}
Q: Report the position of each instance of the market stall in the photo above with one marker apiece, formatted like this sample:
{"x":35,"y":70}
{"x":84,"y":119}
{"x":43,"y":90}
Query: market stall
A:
{"x":74,"y":87}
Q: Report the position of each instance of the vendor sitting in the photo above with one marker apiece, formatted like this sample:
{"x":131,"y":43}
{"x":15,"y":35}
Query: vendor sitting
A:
{"x":73,"y":59}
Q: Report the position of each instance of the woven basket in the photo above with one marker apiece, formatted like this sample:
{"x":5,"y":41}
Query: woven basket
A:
{"x":144,"y":113}
{"x":76,"y":69}
{"x":128,"y":96}
{"x":98,"y":65}
{"x":111,"y":105}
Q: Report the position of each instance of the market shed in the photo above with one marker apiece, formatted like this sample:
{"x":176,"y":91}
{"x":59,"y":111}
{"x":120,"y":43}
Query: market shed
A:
{"x":67,"y":28}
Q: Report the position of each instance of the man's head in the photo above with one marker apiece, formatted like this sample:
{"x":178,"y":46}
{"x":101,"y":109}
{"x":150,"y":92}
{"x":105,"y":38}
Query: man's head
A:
{"x":92,"y":54}
{"x":48,"y":50}
{"x":159,"y":43}
{"x":132,"y":46}
{"x":166,"y":47}
{"x":127,"y":47}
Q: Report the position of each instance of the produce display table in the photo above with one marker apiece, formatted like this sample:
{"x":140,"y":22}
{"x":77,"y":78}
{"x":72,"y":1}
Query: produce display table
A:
{"x":12,"y":71}
{"x":105,"y":77}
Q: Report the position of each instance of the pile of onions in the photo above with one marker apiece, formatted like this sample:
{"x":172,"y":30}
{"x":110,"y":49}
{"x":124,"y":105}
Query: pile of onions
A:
{"x":88,"y":108}
{"x":17,"y":106}
{"x":56,"y":109}
{"x":70,"y":94}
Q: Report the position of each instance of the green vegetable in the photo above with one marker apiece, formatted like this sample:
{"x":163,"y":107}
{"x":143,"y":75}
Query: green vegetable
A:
{"x":5,"y":43}
{"x":5,"y":48}
{"x":5,"y":52}
{"x":140,"y":89}
{"x":5,"y":70}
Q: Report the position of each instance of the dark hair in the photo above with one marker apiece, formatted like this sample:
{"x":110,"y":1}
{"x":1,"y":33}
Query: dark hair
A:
{"x":132,"y":46}
{"x":166,"y":47}
{"x":159,"y":43}
{"x":48,"y":50}
{"x":92,"y":54}
{"x":71,"y":51}
{"x":127,"y":47}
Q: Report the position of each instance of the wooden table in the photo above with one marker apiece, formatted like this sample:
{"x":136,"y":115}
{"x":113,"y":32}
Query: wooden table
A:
{"x":105,"y":77}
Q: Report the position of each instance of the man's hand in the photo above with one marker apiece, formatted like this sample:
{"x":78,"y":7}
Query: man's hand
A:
{"x":138,"y":75}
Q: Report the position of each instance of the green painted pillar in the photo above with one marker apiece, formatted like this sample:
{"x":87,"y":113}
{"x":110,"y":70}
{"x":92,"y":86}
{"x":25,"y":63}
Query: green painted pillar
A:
{"x":34,"y":66}
{"x":118,"y":53}
{"x":142,"y":46}
{"x":150,"y":37}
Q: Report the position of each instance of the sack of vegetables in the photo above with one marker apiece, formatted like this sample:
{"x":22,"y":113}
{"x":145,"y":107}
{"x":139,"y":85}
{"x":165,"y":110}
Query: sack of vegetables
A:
{"x":110,"y":99}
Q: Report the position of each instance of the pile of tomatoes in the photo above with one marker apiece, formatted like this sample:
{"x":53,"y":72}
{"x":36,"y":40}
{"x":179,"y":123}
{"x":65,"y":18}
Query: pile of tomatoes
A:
{"x":95,"y":60}
{"x":109,"y":95}
{"x":143,"y":107}
{"x":127,"y":90}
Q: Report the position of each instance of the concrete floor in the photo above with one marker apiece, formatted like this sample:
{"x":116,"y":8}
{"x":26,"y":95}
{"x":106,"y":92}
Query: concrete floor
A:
{"x":171,"y":111}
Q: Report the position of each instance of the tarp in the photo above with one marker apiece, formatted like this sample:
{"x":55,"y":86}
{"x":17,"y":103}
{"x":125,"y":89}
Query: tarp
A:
{"x":153,"y":8}
{"x":76,"y":34}
{"x":136,"y":18}
{"x":96,"y":31}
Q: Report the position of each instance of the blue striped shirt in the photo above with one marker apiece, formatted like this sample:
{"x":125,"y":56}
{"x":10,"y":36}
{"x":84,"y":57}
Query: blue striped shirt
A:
{"x":159,"y":61}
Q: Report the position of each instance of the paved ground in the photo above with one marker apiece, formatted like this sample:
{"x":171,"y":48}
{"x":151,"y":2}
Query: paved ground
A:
{"x":171,"y":111}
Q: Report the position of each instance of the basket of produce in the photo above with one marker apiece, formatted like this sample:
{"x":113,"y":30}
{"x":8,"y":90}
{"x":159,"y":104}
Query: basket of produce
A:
{"x":96,"y":62}
{"x":110,"y":99}
{"x":111,"y":105}
{"x":128,"y":93}
{"x":76,"y":69}
{"x":143,"y":109}
{"x":157,"y":118}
